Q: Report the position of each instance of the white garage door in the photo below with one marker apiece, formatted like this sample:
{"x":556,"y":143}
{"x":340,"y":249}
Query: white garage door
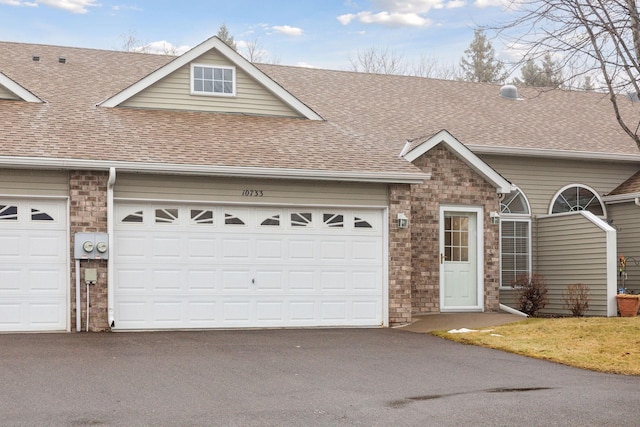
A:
{"x":220,"y":266}
{"x":33,"y":266}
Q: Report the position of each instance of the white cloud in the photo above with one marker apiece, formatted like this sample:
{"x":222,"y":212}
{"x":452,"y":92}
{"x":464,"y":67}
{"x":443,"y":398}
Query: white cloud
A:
{"x":305,"y":65}
{"x":507,"y":4}
{"x":386,"y":18}
{"x":455,"y":4}
{"x":287,"y":30}
{"x":73,"y":6}
{"x":408,"y":6}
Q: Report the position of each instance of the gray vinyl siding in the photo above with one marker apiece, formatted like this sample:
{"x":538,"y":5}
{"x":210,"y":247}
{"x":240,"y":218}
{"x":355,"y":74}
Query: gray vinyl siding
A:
{"x":572,"y":250}
{"x":7,"y":94}
{"x":540,"y":179}
{"x":34,"y":182}
{"x":231,"y":190}
{"x":626,"y":219}
{"x":174,"y":92}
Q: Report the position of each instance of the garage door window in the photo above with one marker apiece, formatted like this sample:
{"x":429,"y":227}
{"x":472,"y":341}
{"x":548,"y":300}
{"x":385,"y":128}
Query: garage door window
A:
{"x":301,"y":219}
{"x":135,"y":217}
{"x":8,"y":213}
{"x":272,"y":221}
{"x":202,"y":216}
{"x":361,"y":223}
{"x":38,"y":215}
{"x":166,"y":216}
{"x":333,"y":220}
{"x":231,"y":219}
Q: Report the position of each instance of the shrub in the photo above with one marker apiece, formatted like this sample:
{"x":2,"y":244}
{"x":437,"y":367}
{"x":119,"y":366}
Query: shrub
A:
{"x":532,"y":295}
{"x":576,"y":299}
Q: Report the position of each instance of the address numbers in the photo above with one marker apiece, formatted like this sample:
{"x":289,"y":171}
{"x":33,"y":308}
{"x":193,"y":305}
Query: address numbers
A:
{"x":252,"y":193}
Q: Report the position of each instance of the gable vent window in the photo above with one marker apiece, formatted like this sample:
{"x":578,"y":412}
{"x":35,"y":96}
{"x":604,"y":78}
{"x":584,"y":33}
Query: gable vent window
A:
{"x":210,"y":80}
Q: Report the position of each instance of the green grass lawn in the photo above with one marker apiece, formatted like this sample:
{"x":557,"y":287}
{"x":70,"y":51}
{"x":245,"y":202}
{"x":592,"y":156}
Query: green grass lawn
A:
{"x":600,"y":344}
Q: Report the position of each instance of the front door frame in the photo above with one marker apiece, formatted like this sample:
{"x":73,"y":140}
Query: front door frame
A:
{"x":478,"y":210}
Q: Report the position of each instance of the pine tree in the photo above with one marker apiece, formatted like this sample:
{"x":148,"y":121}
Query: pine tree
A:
{"x":548,"y":75}
{"x":223,"y":34}
{"x":480,"y":63}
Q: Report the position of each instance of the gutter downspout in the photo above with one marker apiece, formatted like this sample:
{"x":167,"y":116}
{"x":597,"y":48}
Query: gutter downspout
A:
{"x":110,"y":216}
{"x":637,"y":201}
{"x":511,"y":310}
{"x":78,"y":302}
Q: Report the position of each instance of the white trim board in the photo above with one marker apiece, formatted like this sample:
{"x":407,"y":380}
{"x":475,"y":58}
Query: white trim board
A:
{"x":18,"y":90}
{"x":463,"y":153}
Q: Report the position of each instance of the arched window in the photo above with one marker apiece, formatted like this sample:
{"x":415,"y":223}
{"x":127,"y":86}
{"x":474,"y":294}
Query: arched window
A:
{"x":577,"y":197}
{"x":515,"y":237}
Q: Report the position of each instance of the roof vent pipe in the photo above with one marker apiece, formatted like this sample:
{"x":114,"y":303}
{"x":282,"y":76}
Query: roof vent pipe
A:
{"x":509,"y":92}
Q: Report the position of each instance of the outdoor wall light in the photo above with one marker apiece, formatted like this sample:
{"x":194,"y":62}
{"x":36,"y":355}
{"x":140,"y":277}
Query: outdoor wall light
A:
{"x":403,"y":221}
{"x":495,"y":218}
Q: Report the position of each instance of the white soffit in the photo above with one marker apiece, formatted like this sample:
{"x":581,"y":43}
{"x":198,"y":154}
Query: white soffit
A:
{"x":18,"y":90}
{"x":233,"y":56}
{"x":464,"y":154}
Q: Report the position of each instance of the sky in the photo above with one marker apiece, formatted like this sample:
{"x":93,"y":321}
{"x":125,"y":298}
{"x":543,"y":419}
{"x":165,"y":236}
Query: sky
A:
{"x":312,"y":33}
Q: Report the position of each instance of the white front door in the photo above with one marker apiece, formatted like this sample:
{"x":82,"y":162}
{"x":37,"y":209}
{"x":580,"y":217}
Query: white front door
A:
{"x":460,"y":259}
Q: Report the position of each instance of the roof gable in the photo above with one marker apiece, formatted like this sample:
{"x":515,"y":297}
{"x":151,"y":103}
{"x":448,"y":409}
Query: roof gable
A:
{"x":254,"y":83}
{"x":464,"y":154}
{"x":9,"y":89}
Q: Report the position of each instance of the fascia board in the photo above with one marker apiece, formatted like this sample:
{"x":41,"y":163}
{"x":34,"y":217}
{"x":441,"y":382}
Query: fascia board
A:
{"x":201,"y":49}
{"x":554,"y":154}
{"x":620,"y":198}
{"x":18,"y":90}
{"x":466,"y":155}
{"x":205,"y":170}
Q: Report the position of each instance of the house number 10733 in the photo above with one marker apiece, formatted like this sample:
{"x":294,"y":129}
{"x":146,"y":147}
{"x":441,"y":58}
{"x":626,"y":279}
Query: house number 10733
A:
{"x":252,"y":193}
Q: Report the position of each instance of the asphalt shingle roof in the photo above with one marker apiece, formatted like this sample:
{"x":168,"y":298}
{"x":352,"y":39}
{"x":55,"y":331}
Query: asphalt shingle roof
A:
{"x":368,"y":117}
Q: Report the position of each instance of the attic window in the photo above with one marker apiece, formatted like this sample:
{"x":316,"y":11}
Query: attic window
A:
{"x":213,"y":80}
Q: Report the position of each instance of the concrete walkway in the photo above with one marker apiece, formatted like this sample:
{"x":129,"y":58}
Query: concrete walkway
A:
{"x":447,"y":321}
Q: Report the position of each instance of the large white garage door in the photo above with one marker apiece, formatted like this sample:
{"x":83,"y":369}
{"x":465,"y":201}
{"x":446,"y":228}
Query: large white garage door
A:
{"x":179,"y":266}
{"x":33,"y":266}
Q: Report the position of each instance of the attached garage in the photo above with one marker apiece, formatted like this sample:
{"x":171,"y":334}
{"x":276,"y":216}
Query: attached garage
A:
{"x":181,"y":265}
{"x":33,"y":265}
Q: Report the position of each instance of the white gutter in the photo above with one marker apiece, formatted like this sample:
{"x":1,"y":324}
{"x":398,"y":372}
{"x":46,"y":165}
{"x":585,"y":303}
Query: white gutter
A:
{"x":555,"y":154}
{"x":110,"y":216}
{"x":511,"y":310}
{"x":405,"y":149}
{"x":208,"y":170}
{"x":637,"y":201}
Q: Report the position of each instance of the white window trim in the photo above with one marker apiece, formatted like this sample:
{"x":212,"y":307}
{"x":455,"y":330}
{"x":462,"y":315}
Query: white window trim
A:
{"x":223,"y":67}
{"x":555,"y":196}
{"x":517,"y":218}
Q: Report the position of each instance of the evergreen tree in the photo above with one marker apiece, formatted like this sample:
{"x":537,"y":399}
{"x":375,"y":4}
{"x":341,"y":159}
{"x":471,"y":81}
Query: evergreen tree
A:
{"x":480,"y":63}
{"x":223,"y":34}
{"x":548,"y":75}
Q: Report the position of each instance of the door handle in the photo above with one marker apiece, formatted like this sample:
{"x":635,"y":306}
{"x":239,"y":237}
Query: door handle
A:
{"x":442,"y":258}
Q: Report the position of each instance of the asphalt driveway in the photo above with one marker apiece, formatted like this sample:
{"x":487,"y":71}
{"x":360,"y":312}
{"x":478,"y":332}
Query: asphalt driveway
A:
{"x":295,"y":378}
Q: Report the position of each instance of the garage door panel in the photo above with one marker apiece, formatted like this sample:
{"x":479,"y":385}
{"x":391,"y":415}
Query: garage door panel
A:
{"x":301,"y":280}
{"x":50,"y":280}
{"x":301,"y":250}
{"x":10,"y":280}
{"x":280,"y":267}
{"x":235,"y":248}
{"x":270,"y":280}
{"x":236,"y":312}
{"x":10,"y":246}
{"x":236,"y":280}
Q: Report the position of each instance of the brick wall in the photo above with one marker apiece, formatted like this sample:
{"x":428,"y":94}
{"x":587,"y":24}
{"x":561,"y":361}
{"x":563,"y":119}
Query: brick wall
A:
{"x":452,"y":183}
{"x":88,"y":213}
{"x":400,"y":251}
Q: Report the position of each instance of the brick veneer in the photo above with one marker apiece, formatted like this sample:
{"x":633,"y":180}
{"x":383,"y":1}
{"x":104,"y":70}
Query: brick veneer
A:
{"x":88,"y":213}
{"x":400,"y":250}
{"x":452,"y":183}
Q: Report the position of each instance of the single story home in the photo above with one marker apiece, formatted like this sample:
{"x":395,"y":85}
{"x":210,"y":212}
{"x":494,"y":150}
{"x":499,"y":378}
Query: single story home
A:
{"x":146,"y":192}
